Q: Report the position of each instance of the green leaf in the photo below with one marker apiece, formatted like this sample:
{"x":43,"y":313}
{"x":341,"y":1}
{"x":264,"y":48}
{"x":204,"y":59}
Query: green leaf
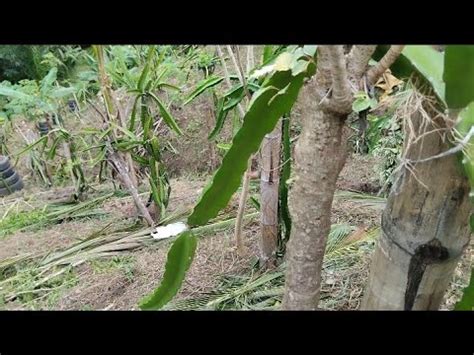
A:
{"x":203,"y":86}
{"x":235,"y":95}
{"x":128,"y":133}
{"x":16,"y":94}
{"x":54,"y":146}
{"x":310,"y":50}
{"x":167,"y":117}
{"x":62,"y":92}
{"x":467,"y":301}
{"x":421,"y":59}
{"x":179,"y":260}
{"x":221,"y":116}
{"x":360,"y":104}
{"x":464,"y":125}
{"x":146,"y":69}
{"x":267,"y":52}
{"x":235,"y":100}
{"x":31,"y":146}
{"x":265,"y":109}
{"x":255,"y":201}
{"x":459,"y":75}
{"x":429,"y":63}
{"x":140,"y":160}
{"x":166,"y":85}
{"x":154,"y":191}
{"x":133,"y":115}
{"x":48,"y":80}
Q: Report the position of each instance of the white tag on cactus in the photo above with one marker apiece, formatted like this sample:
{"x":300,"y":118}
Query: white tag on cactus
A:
{"x":170,"y":230}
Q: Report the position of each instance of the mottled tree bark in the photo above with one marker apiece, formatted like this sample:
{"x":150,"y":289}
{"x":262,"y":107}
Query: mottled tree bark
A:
{"x":320,"y":154}
{"x":319,"y":157}
{"x":424,"y":229}
{"x":269,"y":192}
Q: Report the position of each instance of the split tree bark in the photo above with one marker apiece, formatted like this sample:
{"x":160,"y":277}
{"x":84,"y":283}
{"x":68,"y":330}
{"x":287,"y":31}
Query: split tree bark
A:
{"x":269,"y":196}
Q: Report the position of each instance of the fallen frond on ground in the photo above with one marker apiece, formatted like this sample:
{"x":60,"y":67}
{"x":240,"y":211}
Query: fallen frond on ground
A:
{"x":366,"y":200}
{"x":17,"y":220}
{"x":33,"y":276}
{"x":346,"y":247}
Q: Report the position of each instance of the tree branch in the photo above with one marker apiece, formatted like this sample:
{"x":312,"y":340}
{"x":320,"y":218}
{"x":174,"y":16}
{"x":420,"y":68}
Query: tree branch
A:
{"x":358,"y":59}
{"x":388,"y":59}
{"x":341,"y":90}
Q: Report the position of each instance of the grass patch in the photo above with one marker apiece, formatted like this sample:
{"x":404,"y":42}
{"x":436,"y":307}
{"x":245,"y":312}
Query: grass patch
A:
{"x":118,"y":262}
{"x":17,"y":221}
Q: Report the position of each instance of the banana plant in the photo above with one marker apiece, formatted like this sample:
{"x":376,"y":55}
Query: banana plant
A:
{"x":283,"y":79}
{"x":36,"y":99}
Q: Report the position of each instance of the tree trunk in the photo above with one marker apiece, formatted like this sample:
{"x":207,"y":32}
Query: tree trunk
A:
{"x":269,"y":192}
{"x":424,"y":229}
{"x":119,"y":165}
{"x":320,"y":154}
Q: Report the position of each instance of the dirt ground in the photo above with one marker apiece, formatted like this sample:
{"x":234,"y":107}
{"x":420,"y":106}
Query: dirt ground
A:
{"x":119,"y":283}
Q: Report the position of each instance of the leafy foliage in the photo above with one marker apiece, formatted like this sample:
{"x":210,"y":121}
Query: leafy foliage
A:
{"x":458,"y":75}
{"x":421,"y":60}
{"x":467,"y":301}
{"x":35,"y":99}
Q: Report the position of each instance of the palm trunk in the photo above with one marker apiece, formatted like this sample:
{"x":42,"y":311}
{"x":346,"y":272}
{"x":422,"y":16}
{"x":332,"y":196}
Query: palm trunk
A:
{"x":424,"y":230}
{"x":269,"y":191}
{"x":320,"y":154}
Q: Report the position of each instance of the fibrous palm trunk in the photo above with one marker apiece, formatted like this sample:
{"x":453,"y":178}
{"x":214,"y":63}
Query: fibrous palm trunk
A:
{"x":424,"y":228}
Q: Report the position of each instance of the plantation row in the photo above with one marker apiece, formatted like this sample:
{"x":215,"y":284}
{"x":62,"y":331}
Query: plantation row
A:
{"x":285,"y":115}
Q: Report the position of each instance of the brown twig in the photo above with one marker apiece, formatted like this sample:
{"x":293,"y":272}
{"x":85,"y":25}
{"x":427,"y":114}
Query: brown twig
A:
{"x":387,"y":60}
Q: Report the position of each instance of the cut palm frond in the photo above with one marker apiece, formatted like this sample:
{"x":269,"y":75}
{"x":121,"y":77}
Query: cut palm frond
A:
{"x":365,"y":200}
{"x":104,"y":243}
{"x":265,"y":291}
